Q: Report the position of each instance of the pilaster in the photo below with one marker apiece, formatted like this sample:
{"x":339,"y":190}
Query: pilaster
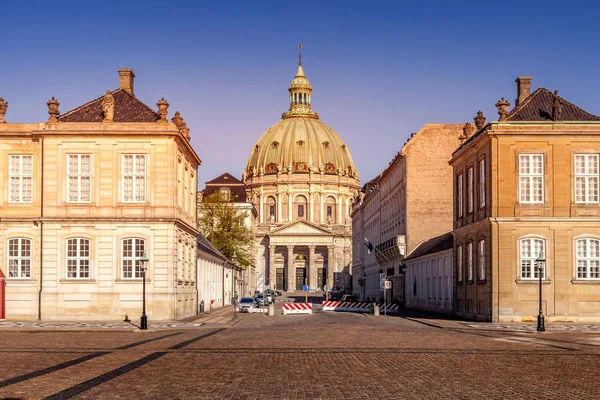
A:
{"x":291,"y":271}
{"x":312,"y":274}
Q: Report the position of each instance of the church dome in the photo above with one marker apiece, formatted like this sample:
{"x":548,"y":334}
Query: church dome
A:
{"x":300,"y":142}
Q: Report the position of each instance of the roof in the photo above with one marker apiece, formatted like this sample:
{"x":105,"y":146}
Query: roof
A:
{"x":127,"y":109}
{"x":435,"y":245}
{"x":205,"y":245}
{"x":538,"y":107}
{"x":236,"y":187}
{"x":225,"y":179}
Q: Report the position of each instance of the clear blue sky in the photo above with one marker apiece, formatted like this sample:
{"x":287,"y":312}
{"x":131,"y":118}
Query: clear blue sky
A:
{"x":379,"y":69}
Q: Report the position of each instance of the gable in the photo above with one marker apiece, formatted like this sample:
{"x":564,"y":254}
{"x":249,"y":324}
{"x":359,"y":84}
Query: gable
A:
{"x":300,"y":228}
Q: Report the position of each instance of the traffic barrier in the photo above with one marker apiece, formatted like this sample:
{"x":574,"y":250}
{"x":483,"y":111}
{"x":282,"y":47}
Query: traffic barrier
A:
{"x":297,"y":308}
{"x":359,"y":307}
{"x":388,"y":308}
{"x":333,"y":306}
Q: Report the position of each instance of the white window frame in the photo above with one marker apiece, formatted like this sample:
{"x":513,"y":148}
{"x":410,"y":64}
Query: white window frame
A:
{"x":78,"y":178}
{"x":134,"y":259}
{"x":460,"y":194}
{"x":583,"y":262}
{"x":482,"y":260}
{"x":459,"y":263}
{"x":470,"y":261}
{"x":79,"y":259}
{"x":586,"y":177}
{"x":531,"y":272}
{"x":527,"y":176}
{"x":136,"y":178}
{"x":482,"y":183}
{"x":470,"y":189}
{"x":20,"y":177}
{"x":21,"y":259}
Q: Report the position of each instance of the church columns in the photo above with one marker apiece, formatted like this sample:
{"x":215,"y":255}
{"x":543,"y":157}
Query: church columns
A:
{"x":291,"y":270}
{"x":290,"y":205}
{"x":261,"y":211}
{"x":279,"y":208}
{"x":339,"y":207}
{"x":312,"y":208}
{"x":312,"y":273}
{"x":330,"y":267}
{"x":322,"y":220}
{"x":272,"y":271}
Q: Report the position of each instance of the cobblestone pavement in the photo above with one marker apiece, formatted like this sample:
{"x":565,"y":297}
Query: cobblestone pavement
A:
{"x":320,"y":356}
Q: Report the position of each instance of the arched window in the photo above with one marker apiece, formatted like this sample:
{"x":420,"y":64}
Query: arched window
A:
{"x":271,"y":209}
{"x":78,"y":258}
{"x":132,"y":249}
{"x":482,"y":260}
{"x":19,"y":258}
{"x":330,"y":210}
{"x":470,"y":261}
{"x":300,"y":204}
{"x":531,"y":249}
{"x":459,"y":263}
{"x":588,"y":259}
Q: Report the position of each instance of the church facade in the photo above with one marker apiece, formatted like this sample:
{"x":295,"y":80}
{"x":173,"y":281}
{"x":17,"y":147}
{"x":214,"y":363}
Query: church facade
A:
{"x":301,"y":180}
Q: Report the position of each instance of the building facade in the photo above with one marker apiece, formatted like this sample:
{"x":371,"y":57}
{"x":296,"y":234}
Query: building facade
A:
{"x":526,"y":190}
{"x":302,"y":180}
{"x":84,"y":196}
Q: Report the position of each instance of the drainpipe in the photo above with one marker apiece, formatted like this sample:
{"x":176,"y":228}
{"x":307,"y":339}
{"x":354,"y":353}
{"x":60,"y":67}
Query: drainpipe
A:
{"x":41,"y":277}
{"x":223,"y":283}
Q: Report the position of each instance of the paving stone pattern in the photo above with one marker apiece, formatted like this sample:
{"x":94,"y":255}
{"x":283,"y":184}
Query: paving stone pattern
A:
{"x":319,"y":356}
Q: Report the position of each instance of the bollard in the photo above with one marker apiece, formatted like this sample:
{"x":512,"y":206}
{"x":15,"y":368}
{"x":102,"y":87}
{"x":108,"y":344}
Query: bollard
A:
{"x":271,"y":309}
{"x":376,"y":310}
{"x":202,"y":306}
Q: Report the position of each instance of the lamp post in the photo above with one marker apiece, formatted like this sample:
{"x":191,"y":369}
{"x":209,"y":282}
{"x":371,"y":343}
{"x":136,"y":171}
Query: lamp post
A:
{"x":364,"y":282}
{"x":144,"y":318}
{"x":540,"y":264}
{"x":233,"y":286}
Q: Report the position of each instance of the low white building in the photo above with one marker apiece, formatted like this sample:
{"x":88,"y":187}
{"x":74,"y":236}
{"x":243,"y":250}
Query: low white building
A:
{"x":215,"y":274}
{"x":429,"y":275}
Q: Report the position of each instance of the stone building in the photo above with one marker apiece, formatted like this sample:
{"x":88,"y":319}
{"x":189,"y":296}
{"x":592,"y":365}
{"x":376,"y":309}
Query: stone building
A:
{"x":526,"y":186}
{"x":83,"y":196}
{"x":411,"y":203}
{"x":302,"y":180}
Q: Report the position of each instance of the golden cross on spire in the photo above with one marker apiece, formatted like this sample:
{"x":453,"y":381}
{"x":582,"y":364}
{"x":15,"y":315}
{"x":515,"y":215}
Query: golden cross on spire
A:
{"x":300,"y":54}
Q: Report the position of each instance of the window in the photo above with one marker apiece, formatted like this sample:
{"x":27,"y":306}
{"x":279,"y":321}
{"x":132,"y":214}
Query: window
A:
{"x":20,"y":178}
{"x":470,"y":261}
{"x":482,"y":260}
{"x":586,"y":178}
{"x":132,"y":249}
{"x":482,"y":183}
{"x":185,"y":190}
{"x":78,"y":258}
{"x":459,"y":264}
{"x":531,"y":178}
{"x":531,"y":249}
{"x":459,"y":183}
{"x":272,"y":211}
{"x":19,"y":258}
{"x":134,"y":178}
{"x":79,"y":175}
{"x":588,"y":259}
{"x":470,"y":189}
{"x":301,"y":210}
{"x":180,"y":193}
{"x":329,"y":211}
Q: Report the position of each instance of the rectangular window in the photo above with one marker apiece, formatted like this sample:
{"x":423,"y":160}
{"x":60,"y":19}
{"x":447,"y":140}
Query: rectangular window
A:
{"x":78,"y":258}
{"x":180,"y":193}
{"x":470,"y":189}
{"x":186,"y":179}
{"x":482,"y":183}
{"x":588,"y":259}
{"x":459,"y":264}
{"x":301,"y":210}
{"x":20,"y":178}
{"x":482,"y":260}
{"x":470,"y":261}
{"x":459,"y":183}
{"x":531,"y":178}
{"x":132,"y":250}
{"x":134,"y":178}
{"x":272,"y":211}
{"x":329,"y":211}
{"x":79,"y":176}
{"x":19,"y":258}
{"x":531,"y":249}
{"x":586,"y":178}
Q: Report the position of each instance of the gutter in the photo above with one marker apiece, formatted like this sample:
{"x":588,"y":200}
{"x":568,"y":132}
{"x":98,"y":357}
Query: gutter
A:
{"x":41,"y":222}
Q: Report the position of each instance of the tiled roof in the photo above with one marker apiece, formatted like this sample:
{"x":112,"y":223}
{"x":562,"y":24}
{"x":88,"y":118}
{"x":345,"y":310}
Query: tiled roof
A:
{"x":127,"y":109}
{"x":538,"y":107}
{"x":228,"y":181}
{"x":439,"y":243}
{"x":206,"y":245}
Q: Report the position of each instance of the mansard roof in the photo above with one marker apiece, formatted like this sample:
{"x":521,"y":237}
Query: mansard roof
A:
{"x":128,"y":108}
{"x":236,"y":187}
{"x":538,"y":107}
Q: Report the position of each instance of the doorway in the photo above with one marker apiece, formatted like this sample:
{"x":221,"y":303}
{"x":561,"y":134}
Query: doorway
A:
{"x":279,"y":279}
{"x":300,"y":278}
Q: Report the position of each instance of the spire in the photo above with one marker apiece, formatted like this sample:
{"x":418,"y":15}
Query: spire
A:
{"x":300,"y":94}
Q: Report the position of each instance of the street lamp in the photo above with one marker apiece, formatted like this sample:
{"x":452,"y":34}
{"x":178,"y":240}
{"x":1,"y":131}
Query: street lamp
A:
{"x":144,"y":318}
{"x":540,"y":263}
{"x":234,"y":260}
{"x":364,"y":282}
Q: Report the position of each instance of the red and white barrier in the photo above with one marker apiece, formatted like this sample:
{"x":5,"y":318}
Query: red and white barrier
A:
{"x":359,"y":307}
{"x":334,"y":306}
{"x":297,"y":308}
{"x":388,"y":308}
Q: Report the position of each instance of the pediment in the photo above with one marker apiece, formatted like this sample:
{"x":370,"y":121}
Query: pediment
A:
{"x":300,"y":228}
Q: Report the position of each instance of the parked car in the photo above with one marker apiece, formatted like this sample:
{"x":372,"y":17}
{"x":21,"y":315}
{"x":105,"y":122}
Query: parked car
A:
{"x":333,"y":296}
{"x":246,"y":304}
{"x":271,"y":294}
{"x":260,"y":299}
{"x":349,"y":297}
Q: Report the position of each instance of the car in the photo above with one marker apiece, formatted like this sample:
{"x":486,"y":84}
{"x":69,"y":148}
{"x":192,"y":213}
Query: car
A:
{"x":246,"y":304}
{"x":260,"y":299}
{"x":349,"y":297}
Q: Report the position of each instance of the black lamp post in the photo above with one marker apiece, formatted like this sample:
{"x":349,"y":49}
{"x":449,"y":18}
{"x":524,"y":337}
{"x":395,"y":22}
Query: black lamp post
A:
{"x":233,"y":286}
{"x":144,"y":318}
{"x":364,"y":286}
{"x":540,"y":264}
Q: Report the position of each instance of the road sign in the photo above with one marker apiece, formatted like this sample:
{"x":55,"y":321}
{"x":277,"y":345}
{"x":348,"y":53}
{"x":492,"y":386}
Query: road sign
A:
{"x":306,"y":288}
{"x":388,"y":284}
{"x":382,"y":277}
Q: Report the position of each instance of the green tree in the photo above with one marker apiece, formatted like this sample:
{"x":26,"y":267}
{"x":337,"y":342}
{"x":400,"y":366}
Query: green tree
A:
{"x":221,"y":222}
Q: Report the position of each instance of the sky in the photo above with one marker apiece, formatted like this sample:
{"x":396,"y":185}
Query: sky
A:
{"x":380,"y":70}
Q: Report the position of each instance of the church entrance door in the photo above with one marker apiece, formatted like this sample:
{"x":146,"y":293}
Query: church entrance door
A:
{"x":279,"y":279}
{"x":300,"y":278}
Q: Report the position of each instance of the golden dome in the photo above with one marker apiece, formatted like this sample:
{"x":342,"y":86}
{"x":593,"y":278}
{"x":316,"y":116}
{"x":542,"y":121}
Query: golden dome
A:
{"x":300,"y":142}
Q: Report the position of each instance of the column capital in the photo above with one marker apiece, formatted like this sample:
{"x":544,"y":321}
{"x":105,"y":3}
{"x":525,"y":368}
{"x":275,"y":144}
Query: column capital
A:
{"x":312,"y":247}
{"x":272,"y":248}
{"x":290,"y":248}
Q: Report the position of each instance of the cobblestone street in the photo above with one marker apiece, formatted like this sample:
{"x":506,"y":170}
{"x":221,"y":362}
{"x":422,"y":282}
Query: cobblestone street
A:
{"x":320,"y":356}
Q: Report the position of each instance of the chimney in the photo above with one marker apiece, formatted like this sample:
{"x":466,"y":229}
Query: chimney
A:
{"x":126,"y":76}
{"x":523,"y":89}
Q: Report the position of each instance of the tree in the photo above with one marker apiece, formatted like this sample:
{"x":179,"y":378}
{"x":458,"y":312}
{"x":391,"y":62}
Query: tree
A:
{"x":222,"y":223}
